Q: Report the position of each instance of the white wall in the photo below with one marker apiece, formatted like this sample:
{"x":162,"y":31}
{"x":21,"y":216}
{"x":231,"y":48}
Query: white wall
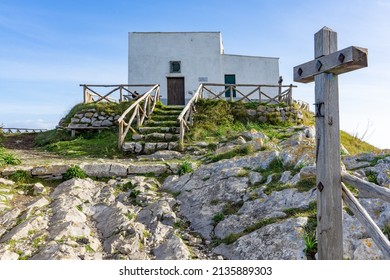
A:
{"x":200,"y":54}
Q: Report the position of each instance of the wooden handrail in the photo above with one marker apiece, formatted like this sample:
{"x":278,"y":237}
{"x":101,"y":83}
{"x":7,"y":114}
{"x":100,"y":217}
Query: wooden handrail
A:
{"x":90,"y":93}
{"x":364,"y":218}
{"x":140,"y":113}
{"x":281,"y":97}
{"x":369,"y":189}
{"x":187,"y":111}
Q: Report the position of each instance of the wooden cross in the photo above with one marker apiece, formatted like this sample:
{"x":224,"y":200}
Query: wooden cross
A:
{"x":329,"y":63}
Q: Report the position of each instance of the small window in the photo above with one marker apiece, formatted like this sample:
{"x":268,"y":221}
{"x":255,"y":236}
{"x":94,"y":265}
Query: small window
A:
{"x":175,"y":66}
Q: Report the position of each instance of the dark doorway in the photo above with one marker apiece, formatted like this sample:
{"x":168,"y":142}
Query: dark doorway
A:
{"x":230,"y":80}
{"x":176,"y":91}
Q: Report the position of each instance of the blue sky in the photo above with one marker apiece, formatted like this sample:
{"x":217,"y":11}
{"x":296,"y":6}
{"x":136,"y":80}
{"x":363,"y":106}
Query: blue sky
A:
{"x":48,"y":48}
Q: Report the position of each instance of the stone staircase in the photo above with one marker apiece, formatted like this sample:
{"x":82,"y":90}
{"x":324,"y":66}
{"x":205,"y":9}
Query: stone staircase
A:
{"x":160,"y":132}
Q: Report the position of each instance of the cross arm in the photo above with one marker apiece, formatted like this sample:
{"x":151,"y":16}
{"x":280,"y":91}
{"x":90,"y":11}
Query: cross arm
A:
{"x":339,"y":62}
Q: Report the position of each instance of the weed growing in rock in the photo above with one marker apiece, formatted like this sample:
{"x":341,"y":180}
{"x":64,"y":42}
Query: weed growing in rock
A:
{"x":185,"y":167}
{"x":125,"y":187}
{"x":74,"y":172}
{"x":234,"y":236}
{"x":306,"y":184}
{"x":386,"y":230}
{"x":372,"y":177}
{"x":131,"y":216}
{"x":134,"y":193}
{"x":231,"y":208}
{"x":218,"y":218}
{"x":89,"y":249}
{"x":21,"y":177}
{"x":311,"y":244}
{"x":7,"y":158}
{"x":240,"y":151}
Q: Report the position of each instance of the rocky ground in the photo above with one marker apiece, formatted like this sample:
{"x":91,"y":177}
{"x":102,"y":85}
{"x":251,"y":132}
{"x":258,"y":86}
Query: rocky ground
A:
{"x":258,"y":206}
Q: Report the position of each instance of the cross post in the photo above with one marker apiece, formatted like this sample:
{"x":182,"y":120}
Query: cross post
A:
{"x":324,"y":71}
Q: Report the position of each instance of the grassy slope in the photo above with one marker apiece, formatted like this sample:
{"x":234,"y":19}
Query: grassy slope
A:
{"x":355,"y":145}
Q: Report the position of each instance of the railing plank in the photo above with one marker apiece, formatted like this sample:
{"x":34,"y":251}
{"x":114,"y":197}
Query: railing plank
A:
{"x":364,"y":218}
{"x":369,"y":189}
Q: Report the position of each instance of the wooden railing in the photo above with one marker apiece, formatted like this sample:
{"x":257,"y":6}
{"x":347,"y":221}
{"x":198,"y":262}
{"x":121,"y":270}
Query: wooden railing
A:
{"x":117,"y":93}
{"x":12,"y":130}
{"x":368,"y":190}
{"x":249,"y":92}
{"x":139,"y":111}
{"x":186,"y":116}
{"x":209,"y":91}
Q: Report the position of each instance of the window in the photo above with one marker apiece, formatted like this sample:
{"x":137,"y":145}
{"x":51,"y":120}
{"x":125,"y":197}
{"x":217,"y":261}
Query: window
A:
{"x":175,"y":66}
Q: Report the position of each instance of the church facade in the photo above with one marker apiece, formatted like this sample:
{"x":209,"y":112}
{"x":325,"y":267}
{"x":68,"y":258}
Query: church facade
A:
{"x":180,"y":61}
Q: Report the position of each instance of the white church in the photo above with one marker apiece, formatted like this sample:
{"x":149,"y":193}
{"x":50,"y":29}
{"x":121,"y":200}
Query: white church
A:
{"x":180,"y":61}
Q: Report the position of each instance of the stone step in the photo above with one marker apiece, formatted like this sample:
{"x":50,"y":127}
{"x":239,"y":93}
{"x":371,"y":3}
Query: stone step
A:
{"x":149,"y":147}
{"x":171,"y":107}
{"x":157,"y":137}
{"x":164,"y":117}
{"x":160,"y":129}
{"x":160,"y":112}
{"x":162,"y":123}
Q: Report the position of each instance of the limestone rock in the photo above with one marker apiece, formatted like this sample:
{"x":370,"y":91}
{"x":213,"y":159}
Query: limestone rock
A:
{"x":6,"y":182}
{"x":173,"y":249}
{"x":141,"y":168}
{"x":263,"y":208}
{"x":279,"y":241}
{"x":8,"y":255}
{"x":39,"y":189}
{"x":164,"y":154}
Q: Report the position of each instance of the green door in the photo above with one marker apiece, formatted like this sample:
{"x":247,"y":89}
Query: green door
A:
{"x":230,"y":80}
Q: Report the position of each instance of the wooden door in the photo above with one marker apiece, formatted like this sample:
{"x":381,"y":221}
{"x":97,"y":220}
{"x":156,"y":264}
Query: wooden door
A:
{"x":176,"y":91}
{"x":230,"y":80}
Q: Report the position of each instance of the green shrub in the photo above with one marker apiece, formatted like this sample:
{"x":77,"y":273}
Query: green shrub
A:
{"x":74,"y":172}
{"x":185,"y":167}
{"x":7,"y":158}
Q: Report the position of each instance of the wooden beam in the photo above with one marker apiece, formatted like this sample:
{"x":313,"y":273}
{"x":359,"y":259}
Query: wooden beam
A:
{"x":339,"y":62}
{"x":369,"y":189}
{"x":328,"y":179}
{"x":364,"y":218}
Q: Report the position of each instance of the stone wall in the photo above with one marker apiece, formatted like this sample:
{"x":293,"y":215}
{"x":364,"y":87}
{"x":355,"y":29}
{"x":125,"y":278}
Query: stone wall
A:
{"x":275,"y":114}
{"x":98,"y":170}
{"x":92,"y":118}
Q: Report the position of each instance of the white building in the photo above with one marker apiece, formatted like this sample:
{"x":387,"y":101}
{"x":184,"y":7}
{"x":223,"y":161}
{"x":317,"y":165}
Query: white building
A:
{"x":180,"y":61}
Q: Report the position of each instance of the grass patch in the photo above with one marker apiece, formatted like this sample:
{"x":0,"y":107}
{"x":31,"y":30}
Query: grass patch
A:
{"x":21,"y":177}
{"x":125,"y":187}
{"x":386,"y":230}
{"x":231,"y":208}
{"x":185,"y":167}
{"x":219,"y":217}
{"x":372,"y":177}
{"x":7,"y":158}
{"x":306,"y":184}
{"x":74,"y":172}
{"x":96,"y":144}
{"x":240,"y":151}
{"x":234,"y":236}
